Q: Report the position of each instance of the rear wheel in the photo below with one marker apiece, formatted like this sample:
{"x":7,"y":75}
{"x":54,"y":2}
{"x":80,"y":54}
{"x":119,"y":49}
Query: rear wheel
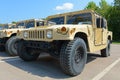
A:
{"x":27,"y":54}
{"x":73,"y":56}
{"x":106,"y":51}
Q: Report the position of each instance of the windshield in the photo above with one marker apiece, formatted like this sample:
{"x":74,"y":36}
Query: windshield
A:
{"x":30,"y":24}
{"x":13,"y":26}
{"x":1,"y":27}
{"x":40,"y":23}
{"x":5,"y":27}
{"x":19,"y":25}
{"x":57,"y":20}
{"x":85,"y":18}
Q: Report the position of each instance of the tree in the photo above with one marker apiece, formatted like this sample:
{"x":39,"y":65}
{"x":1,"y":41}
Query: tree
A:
{"x":91,"y":5}
{"x":111,"y":13}
{"x":117,"y":3}
{"x":104,"y":8}
{"x":13,"y":22}
{"x":114,"y":20}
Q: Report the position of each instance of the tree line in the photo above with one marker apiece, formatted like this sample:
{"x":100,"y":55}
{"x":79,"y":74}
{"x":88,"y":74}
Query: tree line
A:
{"x":111,"y":12}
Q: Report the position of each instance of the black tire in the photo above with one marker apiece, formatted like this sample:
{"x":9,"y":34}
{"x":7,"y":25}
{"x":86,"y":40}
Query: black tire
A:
{"x":11,"y":46}
{"x":106,"y":51}
{"x":25,"y":53}
{"x":2,"y":48}
{"x":55,"y":54}
{"x":73,"y":56}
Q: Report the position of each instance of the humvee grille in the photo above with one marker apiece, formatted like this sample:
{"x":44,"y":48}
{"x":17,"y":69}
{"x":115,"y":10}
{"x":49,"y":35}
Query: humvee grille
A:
{"x":36,"y":34}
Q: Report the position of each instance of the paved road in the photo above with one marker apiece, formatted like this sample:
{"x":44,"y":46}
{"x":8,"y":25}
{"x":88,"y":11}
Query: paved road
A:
{"x":47,"y":68}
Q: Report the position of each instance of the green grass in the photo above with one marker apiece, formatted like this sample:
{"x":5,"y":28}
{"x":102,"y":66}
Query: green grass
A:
{"x":116,"y":42}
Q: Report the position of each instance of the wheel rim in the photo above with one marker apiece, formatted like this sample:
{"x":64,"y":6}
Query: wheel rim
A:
{"x":78,"y":55}
{"x":15,"y":46}
{"x":32,"y":52}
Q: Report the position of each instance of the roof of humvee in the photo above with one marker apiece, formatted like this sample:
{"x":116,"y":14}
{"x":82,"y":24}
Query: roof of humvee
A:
{"x":8,"y":24}
{"x":72,"y":13}
{"x":28,"y":20}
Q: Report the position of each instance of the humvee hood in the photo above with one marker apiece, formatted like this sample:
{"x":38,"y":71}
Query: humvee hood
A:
{"x":13,"y":29}
{"x":60,"y":26}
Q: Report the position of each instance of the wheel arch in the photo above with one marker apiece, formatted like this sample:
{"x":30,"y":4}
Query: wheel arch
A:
{"x":84,"y":37}
{"x":110,"y":38}
{"x":14,"y":34}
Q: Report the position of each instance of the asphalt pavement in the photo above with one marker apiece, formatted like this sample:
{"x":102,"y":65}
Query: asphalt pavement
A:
{"x":48,"y":68}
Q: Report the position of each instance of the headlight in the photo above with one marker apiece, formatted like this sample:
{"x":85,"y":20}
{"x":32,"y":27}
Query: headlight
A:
{"x":49,"y":34}
{"x":25,"y":34}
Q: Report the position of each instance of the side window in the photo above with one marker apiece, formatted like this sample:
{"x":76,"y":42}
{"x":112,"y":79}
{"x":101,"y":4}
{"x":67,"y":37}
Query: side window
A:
{"x":98,"y":23}
{"x":37,"y":23}
{"x":103,"y":23}
{"x":41,"y":23}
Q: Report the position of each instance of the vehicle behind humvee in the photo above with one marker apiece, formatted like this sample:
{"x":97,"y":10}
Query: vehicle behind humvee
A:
{"x":69,"y":38}
{"x":2,"y":28}
{"x":8,"y":34}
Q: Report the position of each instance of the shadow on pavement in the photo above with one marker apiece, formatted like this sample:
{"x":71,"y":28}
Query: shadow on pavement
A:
{"x":45,"y":66}
{"x":92,"y":56}
{"x":4,"y":54}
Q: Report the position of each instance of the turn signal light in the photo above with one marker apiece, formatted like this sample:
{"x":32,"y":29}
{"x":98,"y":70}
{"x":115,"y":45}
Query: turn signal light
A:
{"x":9,"y":32}
{"x":63,"y":29}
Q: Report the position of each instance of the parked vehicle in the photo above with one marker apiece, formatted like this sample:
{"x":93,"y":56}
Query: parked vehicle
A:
{"x":67,"y":37}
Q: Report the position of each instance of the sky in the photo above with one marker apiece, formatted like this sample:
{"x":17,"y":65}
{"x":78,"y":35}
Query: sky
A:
{"x":17,"y":10}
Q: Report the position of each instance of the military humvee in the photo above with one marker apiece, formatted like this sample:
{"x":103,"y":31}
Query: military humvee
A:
{"x":6,"y":26}
{"x":8,"y":35}
{"x":2,"y":27}
{"x":67,"y":37}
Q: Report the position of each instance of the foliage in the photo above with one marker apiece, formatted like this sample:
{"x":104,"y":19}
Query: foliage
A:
{"x":0,"y":24}
{"x":116,"y":42}
{"x":13,"y":22}
{"x":111,"y":13}
{"x":114,"y":20}
{"x":91,"y":5}
{"x":117,"y":3}
{"x":102,"y":9}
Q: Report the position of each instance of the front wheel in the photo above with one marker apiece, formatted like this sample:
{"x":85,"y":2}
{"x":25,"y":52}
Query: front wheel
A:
{"x":11,"y":46}
{"x":27,"y":54}
{"x":73,"y":56}
{"x":106,"y":51}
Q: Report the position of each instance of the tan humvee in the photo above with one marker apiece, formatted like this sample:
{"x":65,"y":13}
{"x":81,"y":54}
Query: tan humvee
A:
{"x":2,"y":34}
{"x":67,"y":37}
{"x":8,"y":34}
{"x":5,"y":27}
